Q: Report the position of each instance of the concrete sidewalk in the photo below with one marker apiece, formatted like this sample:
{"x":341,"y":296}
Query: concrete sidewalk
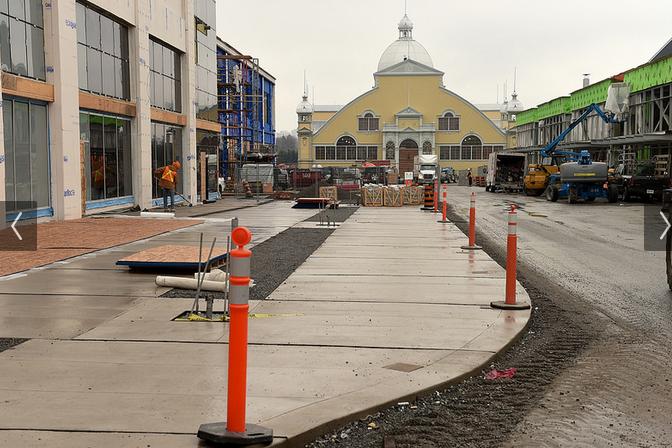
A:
{"x":387,"y":308}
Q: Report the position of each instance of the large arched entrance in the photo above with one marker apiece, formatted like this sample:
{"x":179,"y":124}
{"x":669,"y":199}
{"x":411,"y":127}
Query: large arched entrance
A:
{"x":408,"y":149}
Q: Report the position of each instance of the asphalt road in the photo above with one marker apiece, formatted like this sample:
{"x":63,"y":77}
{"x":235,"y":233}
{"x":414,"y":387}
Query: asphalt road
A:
{"x":619,"y":390}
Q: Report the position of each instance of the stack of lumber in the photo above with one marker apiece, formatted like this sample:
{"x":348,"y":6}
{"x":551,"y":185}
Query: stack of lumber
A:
{"x":413,"y":195}
{"x":393,"y":196}
{"x":329,"y":192}
{"x":372,"y":195}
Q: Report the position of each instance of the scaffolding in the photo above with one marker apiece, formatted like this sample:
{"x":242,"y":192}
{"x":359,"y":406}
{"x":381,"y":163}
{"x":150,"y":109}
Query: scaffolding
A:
{"x":240,"y":103}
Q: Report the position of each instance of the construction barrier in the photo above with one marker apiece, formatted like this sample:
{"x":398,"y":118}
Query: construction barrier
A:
{"x":472,"y":225}
{"x":510,"y":302}
{"x":429,"y":197}
{"x":235,"y":431}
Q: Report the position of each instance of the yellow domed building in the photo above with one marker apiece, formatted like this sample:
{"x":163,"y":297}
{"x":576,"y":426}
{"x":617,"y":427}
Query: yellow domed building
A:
{"x":408,"y":112}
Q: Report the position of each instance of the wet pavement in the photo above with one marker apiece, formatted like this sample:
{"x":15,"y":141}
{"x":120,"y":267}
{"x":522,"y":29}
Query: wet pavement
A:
{"x":617,"y":392}
{"x":127,"y":371}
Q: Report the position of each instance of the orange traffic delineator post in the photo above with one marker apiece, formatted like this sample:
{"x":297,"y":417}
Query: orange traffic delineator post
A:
{"x":444,"y":207}
{"x":510,"y":302}
{"x":436,"y":195}
{"x":235,"y":431}
{"x":472,"y":225}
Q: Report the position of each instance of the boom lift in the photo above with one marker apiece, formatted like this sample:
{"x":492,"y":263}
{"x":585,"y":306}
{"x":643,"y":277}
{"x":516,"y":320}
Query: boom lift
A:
{"x":579,"y":177}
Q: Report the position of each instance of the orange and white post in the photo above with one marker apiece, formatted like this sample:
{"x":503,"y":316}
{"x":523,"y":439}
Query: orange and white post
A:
{"x":436,"y":195}
{"x":444,"y":204}
{"x":235,"y":431}
{"x":510,"y":302}
{"x":472,"y":225}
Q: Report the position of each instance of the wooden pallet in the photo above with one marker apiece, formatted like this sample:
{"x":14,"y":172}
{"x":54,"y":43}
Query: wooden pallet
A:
{"x":173,"y":257}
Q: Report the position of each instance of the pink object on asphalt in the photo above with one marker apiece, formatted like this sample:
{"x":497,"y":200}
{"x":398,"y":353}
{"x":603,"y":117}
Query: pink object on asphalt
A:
{"x":497,"y":374}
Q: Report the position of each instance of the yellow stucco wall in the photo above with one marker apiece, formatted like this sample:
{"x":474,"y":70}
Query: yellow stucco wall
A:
{"x":393,"y":94}
{"x":322,"y":116}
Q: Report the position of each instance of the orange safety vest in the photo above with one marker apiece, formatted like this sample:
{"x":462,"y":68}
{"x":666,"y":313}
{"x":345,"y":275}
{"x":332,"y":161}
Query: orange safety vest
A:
{"x":168,"y":175}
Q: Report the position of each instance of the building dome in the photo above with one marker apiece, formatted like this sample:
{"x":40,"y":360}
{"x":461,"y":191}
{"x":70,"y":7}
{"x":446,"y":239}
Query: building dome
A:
{"x":304,"y":106}
{"x":515,"y":105}
{"x":405,"y":48}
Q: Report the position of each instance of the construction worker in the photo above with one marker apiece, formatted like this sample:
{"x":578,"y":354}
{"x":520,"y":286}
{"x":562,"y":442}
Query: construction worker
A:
{"x":470,"y":179}
{"x":167,"y":176}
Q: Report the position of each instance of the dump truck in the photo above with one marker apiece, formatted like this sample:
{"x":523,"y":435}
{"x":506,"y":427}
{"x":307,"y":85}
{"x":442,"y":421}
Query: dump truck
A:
{"x":425,"y":168}
{"x":505,"y":172}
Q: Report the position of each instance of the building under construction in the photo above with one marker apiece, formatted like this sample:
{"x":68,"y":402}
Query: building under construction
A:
{"x":246,"y":101}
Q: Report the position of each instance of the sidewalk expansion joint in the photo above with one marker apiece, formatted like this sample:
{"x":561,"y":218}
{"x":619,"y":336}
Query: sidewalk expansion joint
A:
{"x":280,"y":344}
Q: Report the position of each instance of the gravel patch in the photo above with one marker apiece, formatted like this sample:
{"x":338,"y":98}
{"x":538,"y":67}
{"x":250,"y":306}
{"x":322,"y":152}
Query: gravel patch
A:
{"x":7,"y":343}
{"x":340,"y":214}
{"x":478,"y":412}
{"x":278,"y":257}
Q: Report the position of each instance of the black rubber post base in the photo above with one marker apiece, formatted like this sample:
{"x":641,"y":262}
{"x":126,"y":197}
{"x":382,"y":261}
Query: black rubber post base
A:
{"x":502,"y":305}
{"x":427,"y":209}
{"x":471,"y":248}
{"x":444,"y":222}
{"x":216,"y":433}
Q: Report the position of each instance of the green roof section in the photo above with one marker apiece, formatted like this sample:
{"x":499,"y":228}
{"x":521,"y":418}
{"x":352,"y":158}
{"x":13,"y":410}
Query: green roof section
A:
{"x":649,"y":75}
{"x":526,"y":116}
{"x":644,"y":77}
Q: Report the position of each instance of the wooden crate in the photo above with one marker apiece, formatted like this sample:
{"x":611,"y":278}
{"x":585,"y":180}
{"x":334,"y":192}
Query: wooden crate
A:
{"x":372,"y":196}
{"x":413,"y":195}
{"x":329,"y":192}
{"x":392,"y":196}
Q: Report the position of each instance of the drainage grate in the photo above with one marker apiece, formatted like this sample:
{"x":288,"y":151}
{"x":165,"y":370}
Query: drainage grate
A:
{"x":402,"y":367}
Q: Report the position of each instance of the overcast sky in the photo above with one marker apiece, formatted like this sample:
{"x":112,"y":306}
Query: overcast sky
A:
{"x":477,"y":43}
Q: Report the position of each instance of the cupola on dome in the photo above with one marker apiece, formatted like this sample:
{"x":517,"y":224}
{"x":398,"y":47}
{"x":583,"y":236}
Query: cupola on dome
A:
{"x":405,"y":48}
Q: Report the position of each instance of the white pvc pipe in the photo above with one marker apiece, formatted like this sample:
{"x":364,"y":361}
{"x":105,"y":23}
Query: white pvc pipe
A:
{"x":156,"y":215}
{"x":215,"y":275}
{"x":188,"y":283}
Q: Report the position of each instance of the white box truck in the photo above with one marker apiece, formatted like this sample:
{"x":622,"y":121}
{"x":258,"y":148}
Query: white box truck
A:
{"x":425,"y":168}
{"x":506,"y":172}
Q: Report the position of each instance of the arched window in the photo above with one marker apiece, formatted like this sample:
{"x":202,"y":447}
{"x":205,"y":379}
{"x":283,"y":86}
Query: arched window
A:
{"x":472,"y":148}
{"x":409,"y":144}
{"x":427,"y":148}
{"x":449,"y":122}
{"x":346,"y":148}
{"x":346,"y":141}
{"x":369,"y":122}
{"x":390,"y":151}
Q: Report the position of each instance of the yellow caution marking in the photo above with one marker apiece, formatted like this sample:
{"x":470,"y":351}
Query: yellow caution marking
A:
{"x":268,"y":316}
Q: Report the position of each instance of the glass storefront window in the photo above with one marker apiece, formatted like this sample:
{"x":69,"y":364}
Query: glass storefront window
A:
{"x":165,"y":80}
{"x":108,"y":156}
{"x":166,"y":148}
{"x":206,"y":62}
{"x":22,"y":38}
{"x":26,"y":153}
{"x":102,"y":54}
